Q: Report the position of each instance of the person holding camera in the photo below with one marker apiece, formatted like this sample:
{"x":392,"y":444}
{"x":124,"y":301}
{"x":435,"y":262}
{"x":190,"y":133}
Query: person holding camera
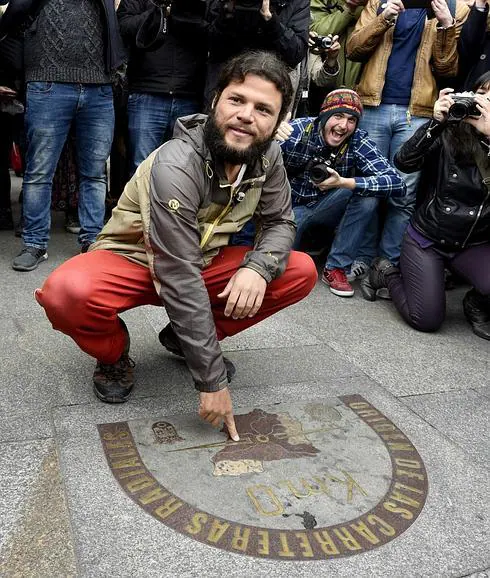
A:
{"x":451,"y":228}
{"x":332,"y":164}
{"x":338,"y":18}
{"x":166,"y":68}
{"x":405,"y":46}
{"x":280,"y":26}
{"x":323,"y":61}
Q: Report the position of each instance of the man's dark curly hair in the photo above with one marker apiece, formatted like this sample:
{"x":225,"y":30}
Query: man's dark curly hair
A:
{"x":260,"y":63}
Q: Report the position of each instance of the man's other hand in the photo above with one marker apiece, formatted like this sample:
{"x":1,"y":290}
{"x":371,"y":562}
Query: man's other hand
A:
{"x":284,"y":130}
{"x":442,"y":13}
{"x":245,"y":292}
{"x":265,"y":11}
{"x":215,"y":408}
{"x":392,"y":8}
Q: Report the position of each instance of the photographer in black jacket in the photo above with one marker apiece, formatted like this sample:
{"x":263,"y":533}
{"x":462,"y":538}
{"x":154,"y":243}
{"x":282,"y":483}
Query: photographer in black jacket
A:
{"x":280,"y":26}
{"x":451,"y":228}
{"x":166,"y":68}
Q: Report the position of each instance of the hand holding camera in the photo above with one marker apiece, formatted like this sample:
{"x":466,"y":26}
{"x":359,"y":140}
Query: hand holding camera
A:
{"x":482,"y":122}
{"x":457,"y":106}
{"x":328,"y":46}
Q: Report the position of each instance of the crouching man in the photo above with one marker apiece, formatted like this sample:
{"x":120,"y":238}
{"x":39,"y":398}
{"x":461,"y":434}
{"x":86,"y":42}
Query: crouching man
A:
{"x":167,"y":243}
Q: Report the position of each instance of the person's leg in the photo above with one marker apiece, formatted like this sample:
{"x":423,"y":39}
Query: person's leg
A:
{"x":50,"y":108}
{"x":350,"y":232}
{"x":400,"y":209}
{"x":417,"y":290}
{"x":94,"y":129}
{"x":83,"y":297}
{"x":326,"y":213}
{"x":294,"y":284}
{"x":148,"y":120}
{"x":472,"y":265}
{"x":180,"y":107}
{"x":6,"y":139}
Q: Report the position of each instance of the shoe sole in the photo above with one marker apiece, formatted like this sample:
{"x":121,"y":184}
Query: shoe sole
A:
{"x":337,"y":291}
{"x":111,"y":399}
{"x":39,"y":261}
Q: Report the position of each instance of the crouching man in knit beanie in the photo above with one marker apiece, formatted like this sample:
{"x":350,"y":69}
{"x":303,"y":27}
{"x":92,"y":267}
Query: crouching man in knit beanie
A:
{"x":335,"y":169}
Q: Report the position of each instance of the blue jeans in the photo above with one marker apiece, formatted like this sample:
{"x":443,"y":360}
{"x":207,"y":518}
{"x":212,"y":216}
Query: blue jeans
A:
{"x":389,"y":127}
{"x":151,"y":120}
{"x":51,"y":108}
{"x":351,"y":232}
{"x":326,"y":212}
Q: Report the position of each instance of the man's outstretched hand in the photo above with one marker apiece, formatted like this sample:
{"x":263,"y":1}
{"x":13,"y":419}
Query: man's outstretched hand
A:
{"x":215,"y":408}
{"x":245,"y":292}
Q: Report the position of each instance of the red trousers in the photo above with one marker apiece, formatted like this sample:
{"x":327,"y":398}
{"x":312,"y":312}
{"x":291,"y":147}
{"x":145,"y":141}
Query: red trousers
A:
{"x":84,"y":296}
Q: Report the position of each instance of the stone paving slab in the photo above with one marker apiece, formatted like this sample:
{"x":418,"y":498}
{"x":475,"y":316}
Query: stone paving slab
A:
{"x":115,"y":537}
{"x":463,"y":417}
{"x":407,"y":362}
{"x":35,"y":534}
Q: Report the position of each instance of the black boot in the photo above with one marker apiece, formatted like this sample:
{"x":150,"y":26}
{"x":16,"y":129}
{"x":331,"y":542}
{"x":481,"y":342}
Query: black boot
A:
{"x":476,"y":308}
{"x":171,"y":343}
{"x":380,"y":269}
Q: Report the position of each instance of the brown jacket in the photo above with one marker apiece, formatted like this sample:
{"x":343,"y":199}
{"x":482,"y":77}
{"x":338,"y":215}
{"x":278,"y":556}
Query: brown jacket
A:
{"x":372,"y":41}
{"x":175,"y":214}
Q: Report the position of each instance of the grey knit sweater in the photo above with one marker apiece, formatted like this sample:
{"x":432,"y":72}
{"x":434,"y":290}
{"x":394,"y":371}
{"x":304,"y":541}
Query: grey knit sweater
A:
{"x":66,"y":43}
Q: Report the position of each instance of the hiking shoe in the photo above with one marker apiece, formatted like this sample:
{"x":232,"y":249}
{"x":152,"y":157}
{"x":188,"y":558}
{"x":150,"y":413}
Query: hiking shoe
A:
{"x":476,"y":308}
{"x":358,"y":270}
{"x":383,"y":293}
{"x":113,"y":382}
{"x":337,"y":281}
{"x":72,"y":225}
{"x":170,"y":341}
{"x":29,"y":258}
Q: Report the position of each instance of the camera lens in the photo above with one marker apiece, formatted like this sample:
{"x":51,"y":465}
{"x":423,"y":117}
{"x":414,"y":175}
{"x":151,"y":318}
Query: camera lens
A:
{"x":458,"y":111}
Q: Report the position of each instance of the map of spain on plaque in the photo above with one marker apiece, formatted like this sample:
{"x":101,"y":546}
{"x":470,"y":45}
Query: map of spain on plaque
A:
{"x":307,"y":481}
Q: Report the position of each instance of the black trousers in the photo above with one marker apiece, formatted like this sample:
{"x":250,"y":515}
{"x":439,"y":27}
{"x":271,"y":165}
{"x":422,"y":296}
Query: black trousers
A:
{"x":418,"y":291}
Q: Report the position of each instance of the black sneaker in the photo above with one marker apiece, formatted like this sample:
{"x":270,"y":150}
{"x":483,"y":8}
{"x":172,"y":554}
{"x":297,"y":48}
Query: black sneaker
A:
{"x":29,"y":258}
{"x":476,"y":308}
{"x":72,"y":225}
{"x":113,"y":382}
{"x":171,"y":343}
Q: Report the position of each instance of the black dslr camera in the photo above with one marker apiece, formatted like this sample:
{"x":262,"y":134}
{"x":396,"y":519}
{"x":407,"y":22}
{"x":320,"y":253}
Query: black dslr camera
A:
{"x":464,"y":106}
{"x":321,"y":42}
{"x":318,"y":169}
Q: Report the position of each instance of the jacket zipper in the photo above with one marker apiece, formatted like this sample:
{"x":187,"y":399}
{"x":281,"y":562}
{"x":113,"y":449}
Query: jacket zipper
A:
{"x":217,"y":220}
{"x":476,"y":219}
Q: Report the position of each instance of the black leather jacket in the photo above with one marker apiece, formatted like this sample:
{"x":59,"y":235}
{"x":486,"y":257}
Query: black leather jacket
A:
{"x":455,"y":212}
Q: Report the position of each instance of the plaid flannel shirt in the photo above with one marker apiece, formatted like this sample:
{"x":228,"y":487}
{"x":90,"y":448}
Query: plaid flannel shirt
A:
{"x":373,"y":173}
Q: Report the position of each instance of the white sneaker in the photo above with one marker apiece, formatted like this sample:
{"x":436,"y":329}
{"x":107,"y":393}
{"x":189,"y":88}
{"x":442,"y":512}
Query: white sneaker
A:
{"x":358,"y":270}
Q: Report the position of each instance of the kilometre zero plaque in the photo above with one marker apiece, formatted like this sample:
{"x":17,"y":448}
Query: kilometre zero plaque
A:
{"x":307,"y":481}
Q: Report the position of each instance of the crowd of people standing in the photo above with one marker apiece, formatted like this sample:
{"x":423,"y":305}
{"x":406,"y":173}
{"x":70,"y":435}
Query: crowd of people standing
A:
{"x":373,"y":89}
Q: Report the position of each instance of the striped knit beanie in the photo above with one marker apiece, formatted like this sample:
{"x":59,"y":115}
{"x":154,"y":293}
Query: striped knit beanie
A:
{"x":340,"y":100}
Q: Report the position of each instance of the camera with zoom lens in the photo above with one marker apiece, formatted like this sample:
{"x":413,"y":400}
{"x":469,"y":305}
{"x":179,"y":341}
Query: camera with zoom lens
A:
{"x":321,"y":42}
{"x":318,"y":169}
{"x":463,"y":107}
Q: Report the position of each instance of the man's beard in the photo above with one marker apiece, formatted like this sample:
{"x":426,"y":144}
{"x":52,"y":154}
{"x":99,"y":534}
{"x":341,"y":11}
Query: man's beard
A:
{"x":215,"y":140}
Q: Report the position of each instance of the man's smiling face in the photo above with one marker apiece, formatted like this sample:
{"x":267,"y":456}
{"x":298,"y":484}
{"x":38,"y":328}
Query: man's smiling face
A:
{"x":244,"y":119}
{"x":339,"y":128}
